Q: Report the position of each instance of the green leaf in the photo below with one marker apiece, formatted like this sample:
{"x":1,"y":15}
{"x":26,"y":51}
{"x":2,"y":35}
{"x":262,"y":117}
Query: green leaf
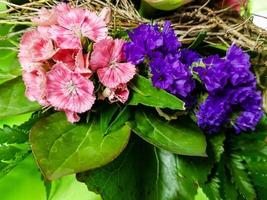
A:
{"x":106,"y":114}
{"x":143,"y":92}
{"x":62,"y":148}
{"x":9,"y":65}
{"x":258,"y":171}
{"x":212,"y":189}
{"x":228,"y":191}
{"x":217,"y":145}
{"x":121,"y":118}
{"x":13,"y":148}
{"x":201,"y":195}
{"x":144,"y":172}
{"x":240,"y":178}
{"x":13,"y":100}
{"x":182,"y":137}
{"x":200,"y":38}
{"x":68,"y":188}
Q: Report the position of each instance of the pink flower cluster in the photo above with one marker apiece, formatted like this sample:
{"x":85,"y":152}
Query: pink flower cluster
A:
{"x":68,"y":56}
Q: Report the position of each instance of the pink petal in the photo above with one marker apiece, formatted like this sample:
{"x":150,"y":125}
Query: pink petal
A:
{"x":67,"y":90}
{"x":117,"y":55}
{"x":82,"y":64}
{"x":116,"y":74}
{"x":45,"y":17}
{"x":63,"y":8}
{"x":105,"y":14}
{"x":72,"y":19}
{"x":72,"y":117}
{"x":34,"y":49}
{"x":120,"y":93}
{"x":65,"y":38}
{"x":35,"y":82}
{"x":66,"y":56}
{"x":101,"y":55}
{"x":94,"y":27}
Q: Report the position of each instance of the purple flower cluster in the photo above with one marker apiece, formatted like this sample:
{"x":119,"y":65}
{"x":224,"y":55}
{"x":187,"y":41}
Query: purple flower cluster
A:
{"x":169,"y":65}
{"x":232,"y":95}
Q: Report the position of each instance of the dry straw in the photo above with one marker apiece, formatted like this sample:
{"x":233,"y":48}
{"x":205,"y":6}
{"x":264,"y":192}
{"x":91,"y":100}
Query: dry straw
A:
{"x":221,"y":26}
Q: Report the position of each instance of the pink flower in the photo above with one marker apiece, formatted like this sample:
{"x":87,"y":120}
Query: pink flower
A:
{"x":48,"y":17}
{"x":67,"y":90}
{"x":66,"y":56}
{"x":120,"y":93}
{"x":45,"y":17}
{"x":34,"y":49}
{"x":235,"y":4}
{"x":107,"y":59}
{"x":76,"y":24}
{"x":35,"y":82}
{"x":62,"y":8}
{"x":75,"y":60}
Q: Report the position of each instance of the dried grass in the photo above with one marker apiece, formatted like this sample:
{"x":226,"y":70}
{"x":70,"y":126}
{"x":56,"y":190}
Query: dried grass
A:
{"x":221,"y":26}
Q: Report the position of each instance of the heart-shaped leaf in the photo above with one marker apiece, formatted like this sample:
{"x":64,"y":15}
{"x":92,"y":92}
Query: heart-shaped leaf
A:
{"x":62,"y":148}
{"x":13,"y":100}
{"x":182,"y":137}
{"x":143,"y":92}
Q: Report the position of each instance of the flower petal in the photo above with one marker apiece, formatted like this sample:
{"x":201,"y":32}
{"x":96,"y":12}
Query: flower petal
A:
{"x":118,"y":73}
{"x":67,"y":90}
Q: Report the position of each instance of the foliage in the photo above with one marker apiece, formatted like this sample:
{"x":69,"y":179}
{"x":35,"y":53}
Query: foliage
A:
{"x":175,"y":160}
{"x":143,"y":171}
{"x":144,"y":93}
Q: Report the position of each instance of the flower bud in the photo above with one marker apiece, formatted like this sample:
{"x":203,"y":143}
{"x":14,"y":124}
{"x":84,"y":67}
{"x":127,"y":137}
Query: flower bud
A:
{"x":105,"y":14}
{"x":167,"y":4}
{"x":106,"y":93}
{"x":235,"y":4}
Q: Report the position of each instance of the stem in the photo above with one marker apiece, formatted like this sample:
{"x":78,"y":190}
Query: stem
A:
{"x":15,"y":22}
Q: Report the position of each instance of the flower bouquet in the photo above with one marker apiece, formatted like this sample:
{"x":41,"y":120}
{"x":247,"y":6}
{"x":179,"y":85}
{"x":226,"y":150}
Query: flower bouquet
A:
{"x":170,"y":108}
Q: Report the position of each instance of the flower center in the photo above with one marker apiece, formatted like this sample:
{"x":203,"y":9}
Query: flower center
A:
{"x":113,"y":65}
{"x":71,"y":88}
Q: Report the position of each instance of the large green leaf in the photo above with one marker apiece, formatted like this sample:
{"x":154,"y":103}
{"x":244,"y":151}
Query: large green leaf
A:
{"x":144,"y":93}
{"x":181,"y":137}
{"x":9,"y":65}
{"x":143,"y":171}
{"x":62,"y":148}
{"x":13,"y":100}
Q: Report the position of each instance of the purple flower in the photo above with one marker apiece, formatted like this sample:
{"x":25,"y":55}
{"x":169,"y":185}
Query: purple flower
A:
{"x":170,"y":74}
{"x":242,"y":76}
{"x":144,"y":40}
{"x":188,"y":57}
{"x":170,"y":41}
{"x":247,"y":121}
{"x":148,"y":41}
{"x":231,"y":87}
{"x":215,"y":74}
{"x":213,"y":113}
{"x":161,"y":73}
{"x":237,"y":58}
